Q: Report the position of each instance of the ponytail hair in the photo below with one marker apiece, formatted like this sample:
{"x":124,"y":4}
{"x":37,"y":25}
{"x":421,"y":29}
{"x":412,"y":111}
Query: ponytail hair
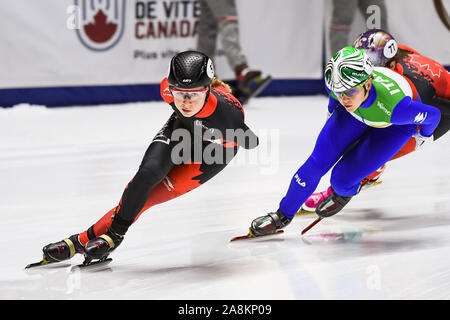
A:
{"x":399,"y":56}
{"x":216,"y":82}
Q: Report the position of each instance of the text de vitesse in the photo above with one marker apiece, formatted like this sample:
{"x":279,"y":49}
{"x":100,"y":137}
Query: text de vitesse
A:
{"x":166,"y":19}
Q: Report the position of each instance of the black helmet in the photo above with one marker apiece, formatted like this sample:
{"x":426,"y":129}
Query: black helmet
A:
{"x":190,"y":69}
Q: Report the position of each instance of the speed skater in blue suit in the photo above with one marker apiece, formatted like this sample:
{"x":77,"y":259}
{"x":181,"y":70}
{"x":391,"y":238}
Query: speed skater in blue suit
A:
{"x":374,"y":112}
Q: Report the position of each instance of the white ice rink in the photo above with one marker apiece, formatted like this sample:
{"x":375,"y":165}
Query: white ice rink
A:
{"x":62,"y":169}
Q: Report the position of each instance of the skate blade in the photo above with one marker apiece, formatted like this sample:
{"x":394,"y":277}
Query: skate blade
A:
{"x":311,"y":225}
{"x":303,"y":212}
{"x":36,"y":264}
{"x":40,"y":266}
{"x":367,"y":186}
{"x":250,"y":235}
{"x":92,"y":265}
{"x":43,"y":262}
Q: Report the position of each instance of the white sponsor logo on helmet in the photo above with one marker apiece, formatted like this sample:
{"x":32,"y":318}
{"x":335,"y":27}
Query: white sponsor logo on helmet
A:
{"x":210,"y":69}
{"x":390,"y":49}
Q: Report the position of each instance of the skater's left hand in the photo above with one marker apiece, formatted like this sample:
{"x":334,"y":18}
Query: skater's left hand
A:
{"x":420,"y":140}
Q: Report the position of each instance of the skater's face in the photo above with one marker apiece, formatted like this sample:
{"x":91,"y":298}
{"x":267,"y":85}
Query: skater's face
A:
{"x":189,"y":101}
{"x":353,"y":98}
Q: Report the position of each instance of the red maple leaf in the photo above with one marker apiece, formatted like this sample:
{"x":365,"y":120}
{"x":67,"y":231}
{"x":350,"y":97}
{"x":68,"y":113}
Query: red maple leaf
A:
{"x":100,"y":31}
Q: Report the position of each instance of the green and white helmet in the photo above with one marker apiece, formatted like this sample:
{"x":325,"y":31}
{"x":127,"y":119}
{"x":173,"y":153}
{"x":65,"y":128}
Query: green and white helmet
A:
{"x":348,"y":68}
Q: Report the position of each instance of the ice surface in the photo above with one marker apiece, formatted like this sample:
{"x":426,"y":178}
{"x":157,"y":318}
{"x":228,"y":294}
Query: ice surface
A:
{"x":61,"y":169}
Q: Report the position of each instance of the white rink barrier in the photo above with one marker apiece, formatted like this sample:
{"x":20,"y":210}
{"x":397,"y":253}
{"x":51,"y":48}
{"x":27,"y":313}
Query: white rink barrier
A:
{"x":73,"y":52}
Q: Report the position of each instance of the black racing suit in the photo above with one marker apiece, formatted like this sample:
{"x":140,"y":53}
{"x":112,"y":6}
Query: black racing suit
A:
{"x":183,"y":155}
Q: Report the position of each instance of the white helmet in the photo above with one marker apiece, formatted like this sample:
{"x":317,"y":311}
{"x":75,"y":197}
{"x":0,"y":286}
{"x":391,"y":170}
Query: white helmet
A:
{"x":348,"y":68}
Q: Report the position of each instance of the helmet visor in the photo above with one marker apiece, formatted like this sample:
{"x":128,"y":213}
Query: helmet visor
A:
{"x":350,"y":92}
{"x":193,"y":95}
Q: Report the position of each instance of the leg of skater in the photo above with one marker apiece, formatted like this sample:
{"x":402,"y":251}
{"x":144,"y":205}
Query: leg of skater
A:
{"x":339,"y":132}
{"x":375,"y":148}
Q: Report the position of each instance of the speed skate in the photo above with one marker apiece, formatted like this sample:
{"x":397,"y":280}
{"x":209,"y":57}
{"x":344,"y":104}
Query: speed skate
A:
{"x":88,"y":264}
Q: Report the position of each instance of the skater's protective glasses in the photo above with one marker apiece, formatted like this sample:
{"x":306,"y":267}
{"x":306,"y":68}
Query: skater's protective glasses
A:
{"x":191,"y":95}
{"x":350,"y":92}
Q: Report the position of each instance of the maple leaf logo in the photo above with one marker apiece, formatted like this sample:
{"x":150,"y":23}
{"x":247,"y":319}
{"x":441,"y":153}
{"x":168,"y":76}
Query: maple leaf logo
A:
{"x":432,"y":67}
{"x":100,"y":31}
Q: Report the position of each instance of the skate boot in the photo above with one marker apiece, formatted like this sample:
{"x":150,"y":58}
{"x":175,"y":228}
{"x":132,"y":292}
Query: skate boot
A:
{"x":102,"y":246}
{"x":315,"y":199}
{"x":63,"y":250}
{"x":372,"y":179}
{"x":269,"y":223}
{"x":250,"y":83}
{"x":331,"y":205}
